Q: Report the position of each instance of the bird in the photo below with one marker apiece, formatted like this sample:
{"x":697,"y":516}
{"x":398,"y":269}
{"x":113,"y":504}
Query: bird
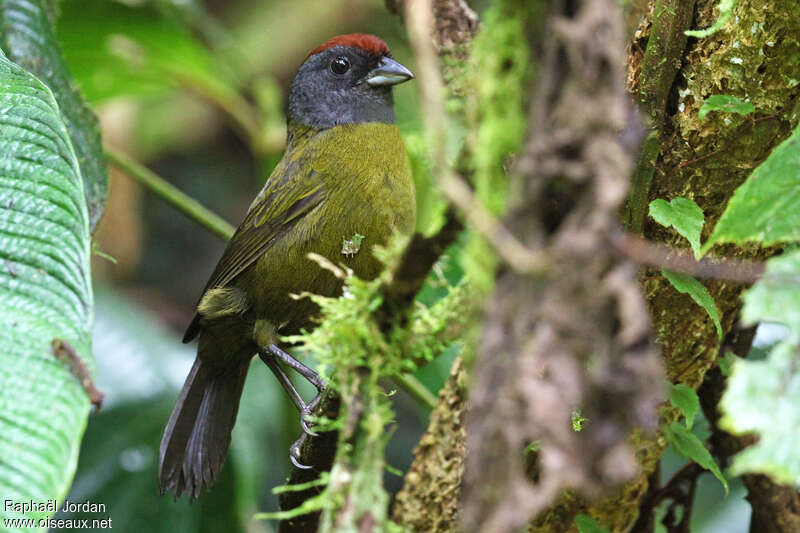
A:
{"x":343,"y":185}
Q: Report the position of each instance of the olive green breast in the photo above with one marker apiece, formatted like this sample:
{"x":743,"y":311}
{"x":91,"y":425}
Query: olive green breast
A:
{"x":367,"y":190}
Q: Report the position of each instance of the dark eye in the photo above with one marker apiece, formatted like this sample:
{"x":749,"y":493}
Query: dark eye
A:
{"x":340,"y":65}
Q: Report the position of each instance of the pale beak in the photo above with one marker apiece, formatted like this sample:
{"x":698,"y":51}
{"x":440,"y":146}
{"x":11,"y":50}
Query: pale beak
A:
{"x":388,"y":72}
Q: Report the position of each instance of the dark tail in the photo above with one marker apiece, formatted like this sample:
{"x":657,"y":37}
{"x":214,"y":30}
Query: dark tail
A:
{"x":198,"y":433}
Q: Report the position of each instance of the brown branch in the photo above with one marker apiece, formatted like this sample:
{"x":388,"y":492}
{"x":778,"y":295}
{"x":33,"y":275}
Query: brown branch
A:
{"x":64,"y":352}
{"x":415,"y":264}
{"x":663,"y":256}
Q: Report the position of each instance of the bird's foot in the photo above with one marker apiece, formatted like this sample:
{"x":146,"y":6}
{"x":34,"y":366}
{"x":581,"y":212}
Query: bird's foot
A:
{"x":307,"y":410}
{"x":311,"y":376}
{"x":295,"y":452}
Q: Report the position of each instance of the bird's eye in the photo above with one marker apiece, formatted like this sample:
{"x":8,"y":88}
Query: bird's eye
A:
{"x":340,"y":65}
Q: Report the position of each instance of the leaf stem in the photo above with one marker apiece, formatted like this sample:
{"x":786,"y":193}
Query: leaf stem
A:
{"x":415,"y":389}
{"x":171,"y":194}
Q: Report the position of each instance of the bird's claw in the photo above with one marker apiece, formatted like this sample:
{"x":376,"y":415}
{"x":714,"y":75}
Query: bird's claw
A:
{"x":295,"y":453}
{"x":304,"y":424}
{"x":306,"y":411}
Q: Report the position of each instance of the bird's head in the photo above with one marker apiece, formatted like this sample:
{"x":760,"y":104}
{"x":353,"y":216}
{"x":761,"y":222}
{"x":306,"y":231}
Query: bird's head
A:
{"x":345,"y":80}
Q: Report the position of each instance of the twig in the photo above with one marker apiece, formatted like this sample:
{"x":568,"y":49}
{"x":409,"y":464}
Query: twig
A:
{"x":669,"y":490}
{"x":416,"y":389}
{"x":172,"y":195}
{"x":317,"y":452}
{"x":662,"y":256}
{"x":64,"y":352}
{"x":420,"y":22}
{"x":508,"y":247}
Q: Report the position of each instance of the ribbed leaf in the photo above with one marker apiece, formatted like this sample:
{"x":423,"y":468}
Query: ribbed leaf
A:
{"x":45,"y":293}
{"x":27,"y":35}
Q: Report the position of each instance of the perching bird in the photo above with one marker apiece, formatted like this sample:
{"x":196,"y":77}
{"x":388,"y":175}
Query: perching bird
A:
{"x":344,"y":175}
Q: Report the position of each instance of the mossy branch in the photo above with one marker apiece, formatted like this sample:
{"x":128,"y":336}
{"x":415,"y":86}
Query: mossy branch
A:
{"x":659,"y":66}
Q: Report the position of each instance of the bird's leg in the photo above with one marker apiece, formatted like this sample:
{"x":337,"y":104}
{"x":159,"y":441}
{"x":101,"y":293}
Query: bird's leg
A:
{"x":303,"y":407}
{"x":298,"y":367}
{"x":307,"y":373}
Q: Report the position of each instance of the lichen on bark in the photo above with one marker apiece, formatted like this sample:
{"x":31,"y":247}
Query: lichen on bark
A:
{"x":428,"y":501}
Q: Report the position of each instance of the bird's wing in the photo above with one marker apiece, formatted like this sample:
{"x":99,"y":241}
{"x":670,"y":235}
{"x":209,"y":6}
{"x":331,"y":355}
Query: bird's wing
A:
{"x":285,"y":199}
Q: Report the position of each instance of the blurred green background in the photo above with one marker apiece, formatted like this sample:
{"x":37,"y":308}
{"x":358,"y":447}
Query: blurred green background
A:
{"x":195,"y":90}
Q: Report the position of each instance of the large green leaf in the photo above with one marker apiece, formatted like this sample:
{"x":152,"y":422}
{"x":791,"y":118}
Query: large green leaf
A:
{"x":114,"y":49}
{"x":45,"y":292}
{"x":27,"y":35}
{"x":764,"y":396}
{"x":776,"y":296}
{"x":766,"y":208}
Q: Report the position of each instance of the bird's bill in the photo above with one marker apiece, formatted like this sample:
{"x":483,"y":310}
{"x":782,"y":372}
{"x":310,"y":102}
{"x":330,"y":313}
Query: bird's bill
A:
{"x":388,"y":72}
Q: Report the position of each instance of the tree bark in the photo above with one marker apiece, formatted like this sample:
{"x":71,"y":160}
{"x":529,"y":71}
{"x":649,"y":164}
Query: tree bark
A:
{"x":429,"y":498}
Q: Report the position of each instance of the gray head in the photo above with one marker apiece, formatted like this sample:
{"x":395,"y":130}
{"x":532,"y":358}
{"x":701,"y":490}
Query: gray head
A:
{"x":346,"y":80}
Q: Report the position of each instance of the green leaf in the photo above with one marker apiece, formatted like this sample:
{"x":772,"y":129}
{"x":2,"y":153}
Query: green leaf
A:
{"x":684,"y":283}
{"x":726,"y":103}
{"x":682,"y":214}
{"x":27,"y":35}
{"x":114,"y":49}
{"x":45,"y":292}
{"x":687,"y":444}
{"x":776,"y":296}
{"x":726,"y":363}
{"x":766,"y":208}
{"x":764,"y":396}
{"x":684,"y":398}
{"x":587,"y":524}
